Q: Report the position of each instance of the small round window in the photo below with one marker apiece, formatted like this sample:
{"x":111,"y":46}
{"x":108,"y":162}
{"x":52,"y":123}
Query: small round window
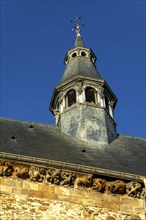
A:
{"x":74,"y":54}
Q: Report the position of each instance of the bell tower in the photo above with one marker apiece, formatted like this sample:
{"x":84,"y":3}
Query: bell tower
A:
{"x":83,"y":104}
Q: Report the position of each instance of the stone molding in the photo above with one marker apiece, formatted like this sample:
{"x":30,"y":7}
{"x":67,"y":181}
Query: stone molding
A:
{"x":74,"y":179}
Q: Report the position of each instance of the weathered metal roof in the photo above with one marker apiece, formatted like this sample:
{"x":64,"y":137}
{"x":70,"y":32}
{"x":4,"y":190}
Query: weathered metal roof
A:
{"x":124,"y":154}
{"x":79,"y":41}
{"x":80,"y":66}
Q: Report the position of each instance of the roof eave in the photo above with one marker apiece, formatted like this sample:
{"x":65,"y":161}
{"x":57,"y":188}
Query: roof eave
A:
{"x":75,"y":167}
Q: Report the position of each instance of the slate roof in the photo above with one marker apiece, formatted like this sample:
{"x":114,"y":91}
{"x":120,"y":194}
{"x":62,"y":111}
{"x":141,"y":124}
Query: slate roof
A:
{"x":125,"y":154}
{"x":80,"y":66}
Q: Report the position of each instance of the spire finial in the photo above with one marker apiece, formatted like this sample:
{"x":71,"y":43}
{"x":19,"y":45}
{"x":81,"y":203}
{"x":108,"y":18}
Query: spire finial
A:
{"x":77,"y":23}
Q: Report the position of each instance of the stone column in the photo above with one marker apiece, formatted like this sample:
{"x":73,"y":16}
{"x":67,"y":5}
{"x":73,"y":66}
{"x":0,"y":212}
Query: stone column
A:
{"x":101,"y":96}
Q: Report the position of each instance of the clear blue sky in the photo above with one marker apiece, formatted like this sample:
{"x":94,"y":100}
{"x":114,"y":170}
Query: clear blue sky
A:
{"x":35,"y":36}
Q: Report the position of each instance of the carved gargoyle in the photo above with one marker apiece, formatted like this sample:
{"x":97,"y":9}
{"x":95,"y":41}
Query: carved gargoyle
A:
{"x":21,"y":171}
{"x":99,"y":184}
{"x":6,"y":168}
{"x":117,"y":186}
{"x":134,"y":189}
{"x":53,"y":176}
{"x":143,"y":193}
{"x":84,"y":180}
{"x":67,"y":178}
{"x":37,"y":174}
{"x":2,"y":164}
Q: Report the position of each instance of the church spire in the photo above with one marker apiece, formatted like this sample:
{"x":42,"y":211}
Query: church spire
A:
{"x":80,"y":60}
{"x":83,"y":104}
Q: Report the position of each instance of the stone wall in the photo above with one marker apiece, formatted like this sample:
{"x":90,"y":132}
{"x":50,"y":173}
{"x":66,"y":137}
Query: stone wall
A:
{"x":27,"y":196}
{"x":26,"y":200}
{"x":88,"y":123}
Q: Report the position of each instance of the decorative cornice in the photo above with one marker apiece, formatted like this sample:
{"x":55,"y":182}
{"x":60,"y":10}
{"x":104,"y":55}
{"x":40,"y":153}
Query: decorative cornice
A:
{"x":70,"y":166}
{"x":71,"y":178}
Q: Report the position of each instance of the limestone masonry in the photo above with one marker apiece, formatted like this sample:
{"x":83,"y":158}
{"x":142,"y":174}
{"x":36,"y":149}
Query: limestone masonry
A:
{"x":32,"y":192}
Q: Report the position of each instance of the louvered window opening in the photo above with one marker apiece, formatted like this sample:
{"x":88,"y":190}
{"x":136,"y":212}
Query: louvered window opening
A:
{"x":90,"y":95}
{"x":71,"y":96}
{"x":107,"y":103}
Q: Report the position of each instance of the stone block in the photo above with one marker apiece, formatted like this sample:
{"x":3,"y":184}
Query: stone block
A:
{"x":110,"y":218}
{"x":95,"y":195}
{"x":9,"y":182}
{"x":51,"y":196}
{"x":133,"y":217}
{"x":34,"y":193}
{"x":64,"y":198}
{"x":108,"y":197}
{"x":46,"y":188}
{"x":42,"y":208}
{"x":127,"y":208}
{"x":81,"y":193}
{"x":112,"y":206}
{"x":26,"y":184}
{"x":19,"y":183}
{"x":1,"y":180}
{"x":6,"y":189}
{"x":88,"y":202}
{"x":139,"y":209}
{"x":34,"y":186}
{"x":76,"y":200}
{"x":99,"y":203}
{"x":20,"y":191}
{"x":132,"y":201}
{"x":59,"y":190}
{"x":13,"y":182}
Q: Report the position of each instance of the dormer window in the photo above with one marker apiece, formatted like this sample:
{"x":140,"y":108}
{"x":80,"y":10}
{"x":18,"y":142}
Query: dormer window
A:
{"x":74,"y":54}
{"x":90,"y":94}
{"x":71,"y":97}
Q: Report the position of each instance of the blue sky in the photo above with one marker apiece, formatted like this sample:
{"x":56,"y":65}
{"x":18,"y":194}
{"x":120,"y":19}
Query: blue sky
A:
{"x":35,"y":36}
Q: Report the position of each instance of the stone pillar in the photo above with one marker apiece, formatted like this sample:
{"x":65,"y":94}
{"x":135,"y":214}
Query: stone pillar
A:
{"x":101,"y":96}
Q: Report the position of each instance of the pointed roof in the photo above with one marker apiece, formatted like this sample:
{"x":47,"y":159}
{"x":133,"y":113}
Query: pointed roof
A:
{"x":79,"y":41}
{"x":80,"y":65}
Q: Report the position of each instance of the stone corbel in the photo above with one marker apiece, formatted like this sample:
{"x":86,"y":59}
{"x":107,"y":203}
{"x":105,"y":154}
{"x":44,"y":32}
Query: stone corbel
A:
{"x":111,"y":104}
{"x":79,"y":86}
{"x":60,"y":97}
{"x":71,"y":178}
{"x":101,"y":91}
{"x":111,"y":107}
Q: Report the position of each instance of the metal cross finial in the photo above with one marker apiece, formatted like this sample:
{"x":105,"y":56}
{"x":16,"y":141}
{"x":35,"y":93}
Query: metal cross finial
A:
{"x":77,"y":23}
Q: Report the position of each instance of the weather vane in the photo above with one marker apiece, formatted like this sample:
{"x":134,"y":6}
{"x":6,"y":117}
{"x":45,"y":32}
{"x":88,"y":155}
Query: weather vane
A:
{"x":77,"y":23}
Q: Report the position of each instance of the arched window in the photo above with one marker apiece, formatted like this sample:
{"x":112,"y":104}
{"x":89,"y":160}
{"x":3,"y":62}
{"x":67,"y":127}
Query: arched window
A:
{"x":71,"y":97}
{"x":90,"y":94}
{"x":83,"y":54}
{"x":74,"y":54}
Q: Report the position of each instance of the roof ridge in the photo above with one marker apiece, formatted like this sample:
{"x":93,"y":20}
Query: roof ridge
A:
{"x":23,"y":121}
{"x":124,"y":135}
